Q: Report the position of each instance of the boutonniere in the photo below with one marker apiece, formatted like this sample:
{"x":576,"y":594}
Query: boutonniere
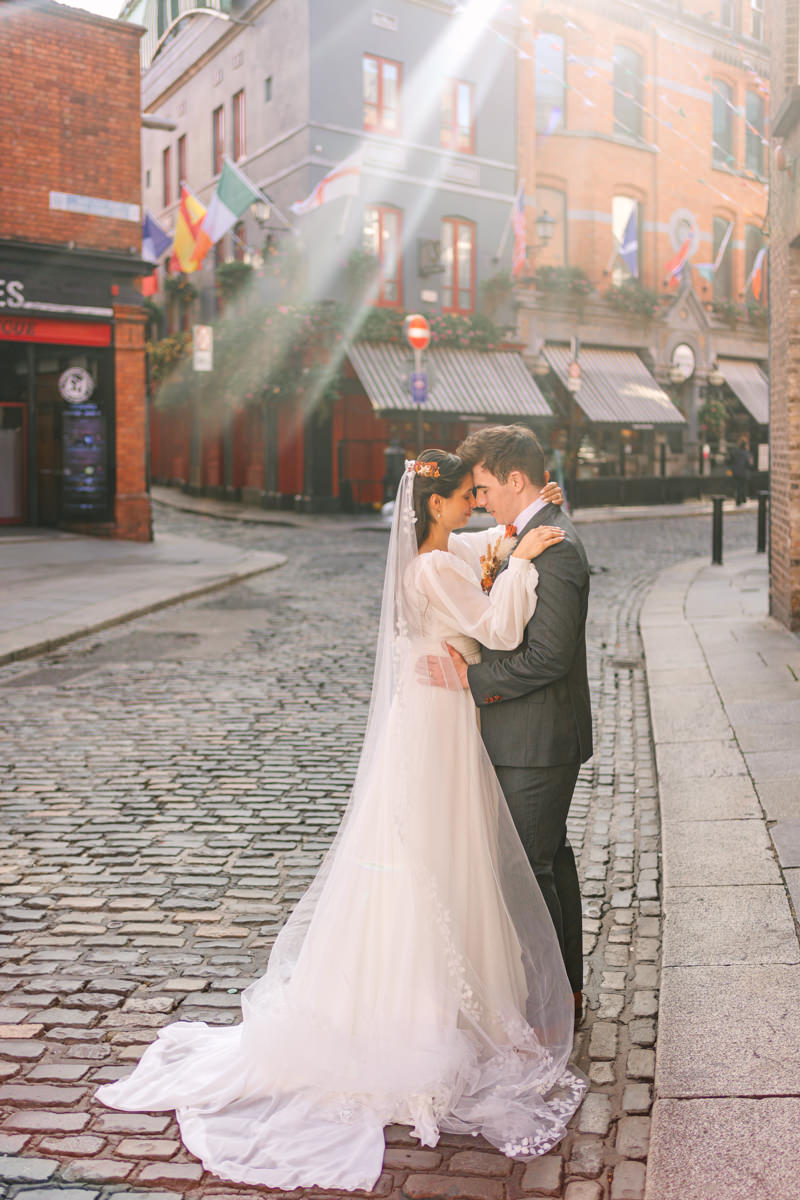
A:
{"x":497,"y":552}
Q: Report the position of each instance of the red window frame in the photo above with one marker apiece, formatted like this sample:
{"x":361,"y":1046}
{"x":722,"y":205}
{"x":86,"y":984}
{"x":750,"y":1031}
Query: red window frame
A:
{"x":217,"y":139}
{"x":378,"y":123}
{"x":450,"y":129}
{"x":181,"y":160}
{"x":382,"y":211}
{"x":454,"y":286}
{"x":238,"y":126}
{"x":166,"y":165}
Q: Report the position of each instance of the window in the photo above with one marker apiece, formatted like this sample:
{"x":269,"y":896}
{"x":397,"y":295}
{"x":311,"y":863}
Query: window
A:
{"x":628,"y":92}
{"x":757,"y":19}
{"x":754,"y":133}
{"x":383,"y":239}
{"x":240,"y":242}
{"x":757,"y":286}
{"x":161,"y":16}
{"x":381,"y":94}
{"x":166,"y":167}
{"x":550,"y":83}
{"x":217,"y":139}
{"x":626,"y":227}
{"x":238,"y":126}
{"x":181,"y":173}
{"x":554,"y":203}
{"x":458,"y":259}
{"x":727,"y":14}
{"x":268,"y":89}
{"x":722,"y":120}
{"x":723,"y":276}
{"x":458,"y":116}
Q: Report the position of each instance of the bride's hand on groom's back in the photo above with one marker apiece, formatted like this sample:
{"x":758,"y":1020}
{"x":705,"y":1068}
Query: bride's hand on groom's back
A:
{"x":551,"y":493}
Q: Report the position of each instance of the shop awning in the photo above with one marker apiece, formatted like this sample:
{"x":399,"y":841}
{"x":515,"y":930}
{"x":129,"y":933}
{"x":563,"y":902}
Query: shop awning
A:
{"x":750,"y":384}
{"x":616,"y":387}
{"x":463,"y":383}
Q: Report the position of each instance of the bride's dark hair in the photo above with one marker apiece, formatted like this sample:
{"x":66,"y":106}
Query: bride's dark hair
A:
{"x":451,"y":472}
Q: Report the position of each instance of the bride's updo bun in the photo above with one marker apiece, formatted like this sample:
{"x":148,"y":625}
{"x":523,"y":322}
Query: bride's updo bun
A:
{"x":451,"y":471}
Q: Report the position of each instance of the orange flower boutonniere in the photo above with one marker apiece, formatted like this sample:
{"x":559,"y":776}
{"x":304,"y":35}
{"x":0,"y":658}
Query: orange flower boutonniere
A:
{"x":497,"y":551}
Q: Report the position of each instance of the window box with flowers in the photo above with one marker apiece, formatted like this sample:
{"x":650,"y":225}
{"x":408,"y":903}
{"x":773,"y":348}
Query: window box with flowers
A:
{"x":571,"y":282}
{"x":632,"y":297}
{"x":728,"y":311}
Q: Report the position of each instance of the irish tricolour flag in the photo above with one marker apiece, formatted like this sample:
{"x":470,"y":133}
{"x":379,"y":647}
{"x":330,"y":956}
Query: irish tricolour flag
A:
{"x":234,"y":195}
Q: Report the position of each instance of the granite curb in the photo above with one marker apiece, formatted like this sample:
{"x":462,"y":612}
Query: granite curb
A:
{"x":723,"y":682}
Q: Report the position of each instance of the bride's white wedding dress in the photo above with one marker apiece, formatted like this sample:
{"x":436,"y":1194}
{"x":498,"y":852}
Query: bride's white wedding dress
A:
{"x":419,"y":980}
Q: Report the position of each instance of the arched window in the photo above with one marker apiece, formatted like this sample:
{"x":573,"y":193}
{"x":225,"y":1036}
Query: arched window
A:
{"x":628,"y":92}
{"x":723,"y":251}
{"x":458,"y":258}
{"x":626,"y":228}
{"x":550,"y":81}
{"x":722,"y":124}
{"x":754,"y":133}
{"x":383,"y":239}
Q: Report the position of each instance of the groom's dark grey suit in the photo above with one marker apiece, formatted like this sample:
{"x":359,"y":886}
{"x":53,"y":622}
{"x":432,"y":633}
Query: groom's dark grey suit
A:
{"x":536,"y":723}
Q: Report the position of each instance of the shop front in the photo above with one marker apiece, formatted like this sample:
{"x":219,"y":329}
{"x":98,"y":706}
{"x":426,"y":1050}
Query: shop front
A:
{"x":69,"y":353}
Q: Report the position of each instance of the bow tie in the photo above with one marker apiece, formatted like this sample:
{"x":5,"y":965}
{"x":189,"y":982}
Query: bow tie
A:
{"x":511,"y":531}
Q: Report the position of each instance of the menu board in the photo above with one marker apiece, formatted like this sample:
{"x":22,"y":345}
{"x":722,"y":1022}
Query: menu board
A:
{"x":85,"y":471}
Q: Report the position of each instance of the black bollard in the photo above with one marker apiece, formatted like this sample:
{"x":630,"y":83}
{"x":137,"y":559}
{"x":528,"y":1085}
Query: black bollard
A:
{"x":716,"y":530}
{"x":761,"y":543}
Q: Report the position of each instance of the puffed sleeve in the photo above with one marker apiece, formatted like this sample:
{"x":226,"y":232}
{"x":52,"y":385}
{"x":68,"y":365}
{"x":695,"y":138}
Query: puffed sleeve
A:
{"x":498,"y":620}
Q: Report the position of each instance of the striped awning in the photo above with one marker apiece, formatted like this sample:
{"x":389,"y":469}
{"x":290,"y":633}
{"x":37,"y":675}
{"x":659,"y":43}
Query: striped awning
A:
{"x":616,"y":387}
{"x":463,"y":383}
{"x":750,"y":384}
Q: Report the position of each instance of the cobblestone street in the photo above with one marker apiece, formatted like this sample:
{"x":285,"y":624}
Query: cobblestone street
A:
{"x":168,"y":788}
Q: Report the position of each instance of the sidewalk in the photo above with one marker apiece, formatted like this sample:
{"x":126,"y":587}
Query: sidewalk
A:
{"x":725,"y":703}
{"x":233,"y":511}
{"x":59,"y":586}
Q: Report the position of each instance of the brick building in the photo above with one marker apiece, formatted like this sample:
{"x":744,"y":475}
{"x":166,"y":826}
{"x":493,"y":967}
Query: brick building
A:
{"x":644,"y":125}
{"x":72,"y":362}
{"x":785,"y":305}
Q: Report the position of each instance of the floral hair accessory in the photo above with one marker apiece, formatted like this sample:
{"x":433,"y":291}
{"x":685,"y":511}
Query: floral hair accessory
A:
{"x":429,"y":469}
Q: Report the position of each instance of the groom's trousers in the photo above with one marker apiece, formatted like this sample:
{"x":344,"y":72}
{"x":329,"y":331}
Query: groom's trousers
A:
{"x":539,"y":800}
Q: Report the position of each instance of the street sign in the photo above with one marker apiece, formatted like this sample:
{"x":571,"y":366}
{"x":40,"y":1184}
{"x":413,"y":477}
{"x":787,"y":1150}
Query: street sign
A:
{"x":417,"y":331}
{"x":203,"y":347}
{"x":419,"y":386}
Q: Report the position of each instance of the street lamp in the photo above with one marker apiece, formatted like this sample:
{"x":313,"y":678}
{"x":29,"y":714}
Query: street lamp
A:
{"x":545,"y":224}
{"x":260,"y":210}
{"x":715,"y":376}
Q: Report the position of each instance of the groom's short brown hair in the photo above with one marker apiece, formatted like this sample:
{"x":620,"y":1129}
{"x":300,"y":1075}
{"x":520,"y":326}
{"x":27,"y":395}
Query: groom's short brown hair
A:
{"x":502,"y":449}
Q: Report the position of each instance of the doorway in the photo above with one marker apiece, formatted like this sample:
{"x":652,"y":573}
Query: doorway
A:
{"x":14,"y":389}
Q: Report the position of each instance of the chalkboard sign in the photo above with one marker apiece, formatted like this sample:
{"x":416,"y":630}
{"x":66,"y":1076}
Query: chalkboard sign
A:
{"x":85,"y":462}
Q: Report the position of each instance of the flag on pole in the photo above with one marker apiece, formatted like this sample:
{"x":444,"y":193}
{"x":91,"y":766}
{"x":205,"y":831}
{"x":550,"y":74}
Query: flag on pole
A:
{"x":343,"y":180}
{"x":155,"y":241}
{"x":234,"y":195}
{"x":756,"y":277}
{"x":519,"y":251}
{"x":676,"y":264}
{"x":629,"y":246}
{"x":709,"y":270}
{"x":187,"y":227}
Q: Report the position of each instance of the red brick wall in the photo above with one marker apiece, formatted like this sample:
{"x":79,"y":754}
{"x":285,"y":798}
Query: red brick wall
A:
{"x":69,"y":122}
{"x":784,"y":284}
{"x":132,"y":503}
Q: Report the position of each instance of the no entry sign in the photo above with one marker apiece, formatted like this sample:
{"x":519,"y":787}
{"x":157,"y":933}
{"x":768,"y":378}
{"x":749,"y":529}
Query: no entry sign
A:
{"x":417,"y":331}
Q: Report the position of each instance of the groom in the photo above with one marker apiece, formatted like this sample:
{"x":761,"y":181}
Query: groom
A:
{"x":536,"y":716}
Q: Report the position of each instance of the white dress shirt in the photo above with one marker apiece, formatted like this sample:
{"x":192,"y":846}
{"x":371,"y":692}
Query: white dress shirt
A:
{"x":535,"y":506}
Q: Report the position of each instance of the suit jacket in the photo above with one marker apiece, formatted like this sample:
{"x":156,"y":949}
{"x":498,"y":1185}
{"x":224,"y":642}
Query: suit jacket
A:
{"x":534,"y":701}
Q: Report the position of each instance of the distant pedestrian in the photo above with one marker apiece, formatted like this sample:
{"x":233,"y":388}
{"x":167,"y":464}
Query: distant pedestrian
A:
{"x":394,"y":457}
{"x":741,"y":466}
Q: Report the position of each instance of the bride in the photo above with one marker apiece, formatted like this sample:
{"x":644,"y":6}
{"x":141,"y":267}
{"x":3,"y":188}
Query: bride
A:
{"x":419,"y":979}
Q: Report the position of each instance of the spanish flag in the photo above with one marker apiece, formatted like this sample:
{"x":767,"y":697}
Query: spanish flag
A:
{"x":187,"y":227}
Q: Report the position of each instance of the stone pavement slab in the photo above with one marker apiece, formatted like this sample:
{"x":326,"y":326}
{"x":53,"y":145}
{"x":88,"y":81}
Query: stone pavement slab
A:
{"x":729,"y":1023}
{"x":727,"y":1149}
{"x":59,"y":587}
